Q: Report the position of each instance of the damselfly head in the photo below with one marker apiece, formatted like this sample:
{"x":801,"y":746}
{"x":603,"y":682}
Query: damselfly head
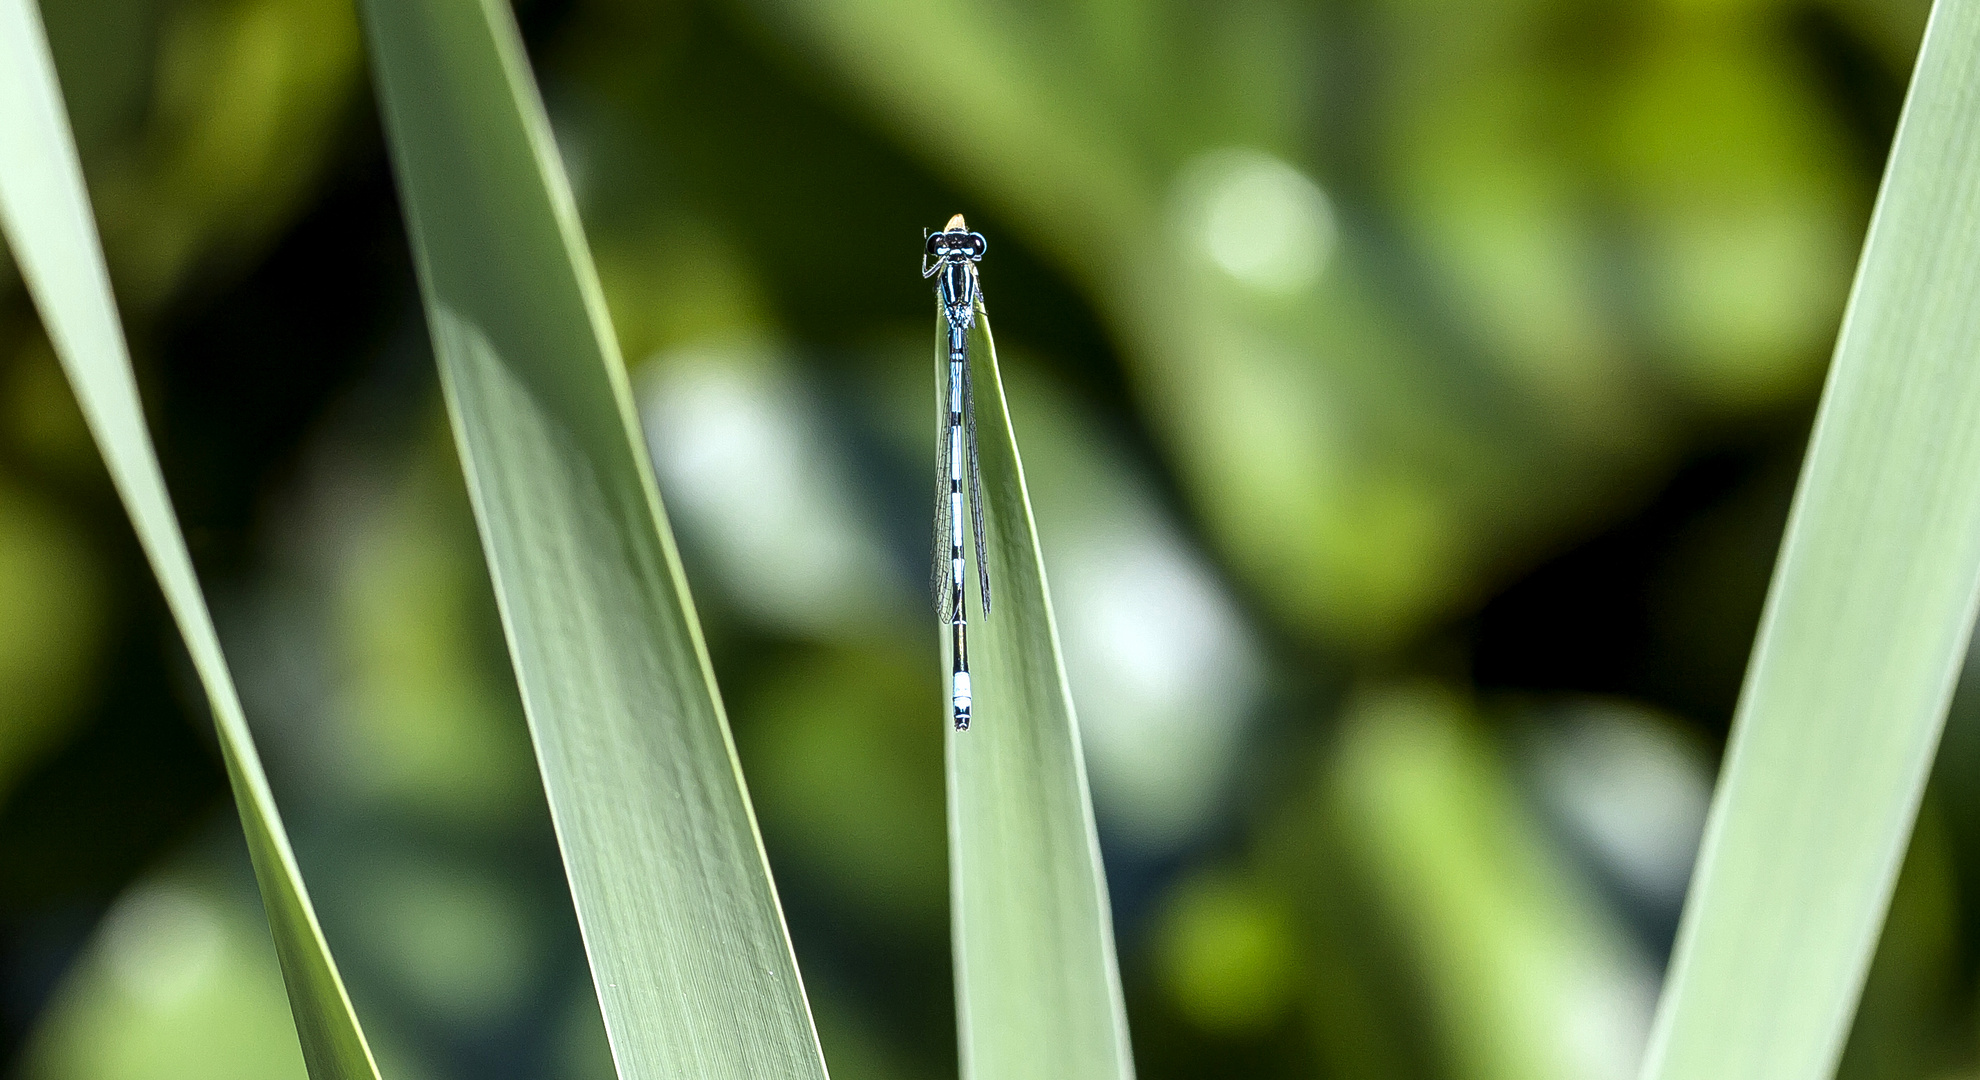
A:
{"x":956,"y":243}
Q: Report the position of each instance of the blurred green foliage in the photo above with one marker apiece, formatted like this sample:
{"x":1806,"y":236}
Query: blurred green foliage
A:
{"x":1409,"y":393}
{"x":175,"y":964}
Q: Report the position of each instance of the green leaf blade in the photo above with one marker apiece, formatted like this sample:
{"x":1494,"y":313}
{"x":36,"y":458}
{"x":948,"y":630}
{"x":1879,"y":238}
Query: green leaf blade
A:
{"x":1038,"y":989}
{"x":45,"y":210}
{"x":1865,"y":629}
{"x":693,"y":968}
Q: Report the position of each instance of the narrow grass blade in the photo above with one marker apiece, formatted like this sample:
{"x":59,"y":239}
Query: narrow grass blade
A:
{"x":1038,"y":990}
{"x":45,"y":210}
{"x":1864,"y":631}
{"x":687,"y":945}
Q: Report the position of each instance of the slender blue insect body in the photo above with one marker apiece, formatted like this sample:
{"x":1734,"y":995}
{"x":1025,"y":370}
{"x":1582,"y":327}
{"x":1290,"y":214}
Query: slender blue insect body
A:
{"x":950,"y":257}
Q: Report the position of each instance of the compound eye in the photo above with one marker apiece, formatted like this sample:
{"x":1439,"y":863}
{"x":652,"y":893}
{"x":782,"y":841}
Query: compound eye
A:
{"x":938,"y":245}
{"x":974,"y":244}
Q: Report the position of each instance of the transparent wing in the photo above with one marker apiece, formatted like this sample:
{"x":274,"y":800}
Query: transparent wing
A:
{"x":975,"y":483}
{"x":939,"y":585}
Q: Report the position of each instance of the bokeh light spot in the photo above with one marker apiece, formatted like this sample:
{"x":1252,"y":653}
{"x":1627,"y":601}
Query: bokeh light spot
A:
{"x":160,"y":942}
{"x":1264,"y":222}
{"x":1227,"y":954}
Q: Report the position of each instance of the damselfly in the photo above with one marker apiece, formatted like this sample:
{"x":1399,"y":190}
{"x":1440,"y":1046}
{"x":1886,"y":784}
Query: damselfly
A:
{"x":950,"y":257}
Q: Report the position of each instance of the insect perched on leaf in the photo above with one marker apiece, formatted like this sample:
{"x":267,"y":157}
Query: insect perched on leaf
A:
{"x":950,"y":257}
